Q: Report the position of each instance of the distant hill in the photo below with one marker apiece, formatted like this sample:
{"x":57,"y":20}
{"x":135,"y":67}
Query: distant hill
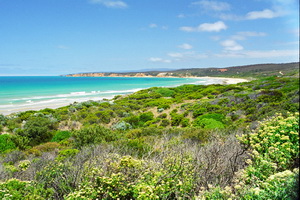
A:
{"x":256,"y":70}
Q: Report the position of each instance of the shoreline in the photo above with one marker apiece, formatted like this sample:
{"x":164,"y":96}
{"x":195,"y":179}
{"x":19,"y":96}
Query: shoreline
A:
{"x":36,"y":107}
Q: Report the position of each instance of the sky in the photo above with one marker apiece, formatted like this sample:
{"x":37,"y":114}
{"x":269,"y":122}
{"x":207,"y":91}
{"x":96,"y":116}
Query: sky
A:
{"x":55,"y":37}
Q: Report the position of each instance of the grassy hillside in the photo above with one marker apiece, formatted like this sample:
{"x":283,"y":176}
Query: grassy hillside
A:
{"x":189,"y":142}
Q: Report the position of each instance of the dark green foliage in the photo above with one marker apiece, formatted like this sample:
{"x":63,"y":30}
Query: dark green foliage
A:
{"x":165,"y":122}
{"x":6,"y":143}
{"x":144,"y":117}
{"x":3,"y":120}
{"x":165,"y":92}
{"x":270,"y":96}
{"x":176,"y":119}
{"x":185,"y":122}
{"x":61,"y":135}
{"x":37,"y":130}
{"x":104,"y":116}
{"x":93,"y":134}
{"x":16,"y":189}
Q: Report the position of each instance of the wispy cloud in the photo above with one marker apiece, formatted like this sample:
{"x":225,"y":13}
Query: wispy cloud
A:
{"x":260,"y":54}
{"x":213,"y":5}
{"x":254,"y":15}
{"x":110,"y":3}
{"x":153,"y":26}
{"x":181,"y":16}
{"x":264,"y":14}
{"x":161,"y":60}
{"x":205,"y":27}
{"x":244,"y":34}
{"x":62,"y":47}
{"x":190,"y":55}
{"x":231,"y":45}
{"x":185,"y":46}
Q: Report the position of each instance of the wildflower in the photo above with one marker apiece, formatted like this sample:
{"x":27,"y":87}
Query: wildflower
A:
{"x":249,"y":162}
{"x":256,"y":191}
{"x":237,"y":187}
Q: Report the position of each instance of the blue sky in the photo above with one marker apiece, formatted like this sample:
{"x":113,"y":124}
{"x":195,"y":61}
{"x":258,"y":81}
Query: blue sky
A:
{"x":53,"y":37}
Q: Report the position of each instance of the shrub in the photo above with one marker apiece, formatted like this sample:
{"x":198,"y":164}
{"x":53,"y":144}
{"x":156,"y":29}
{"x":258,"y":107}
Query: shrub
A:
{"x":61,"y":135}
{"x":277,"y":139}
{"x":66,"y":153}
{"x":185,"y":122}
{"x":6,"y":143}
{"x":208,"y":123}
{"x":165,"y":92}
{"x":121,"y":126}
{"x":147,"y":116}
{"x":46,"y":147}
{"x":37,"y":130}
{"x":17,"y":189}
{"x":176,"y":119}
{"x":165,"y":122}
{"x":92,"y":135}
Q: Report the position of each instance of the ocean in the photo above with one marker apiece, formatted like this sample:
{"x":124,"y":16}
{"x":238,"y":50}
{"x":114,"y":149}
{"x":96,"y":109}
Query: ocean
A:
{"x":20,"y":93}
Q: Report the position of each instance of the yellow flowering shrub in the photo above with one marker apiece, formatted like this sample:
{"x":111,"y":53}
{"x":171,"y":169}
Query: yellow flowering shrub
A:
{"x":129,"y":178}
{"x":272,"y":171}
{"x":277,"y":141}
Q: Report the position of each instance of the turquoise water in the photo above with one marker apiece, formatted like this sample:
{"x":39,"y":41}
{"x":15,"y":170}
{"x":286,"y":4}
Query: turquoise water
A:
{"x":24,"y":93}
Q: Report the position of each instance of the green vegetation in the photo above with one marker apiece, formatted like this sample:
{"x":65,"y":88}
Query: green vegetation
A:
{"x":189,"y":142}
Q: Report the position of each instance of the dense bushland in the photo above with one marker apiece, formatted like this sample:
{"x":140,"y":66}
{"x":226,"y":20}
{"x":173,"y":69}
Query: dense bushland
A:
{"x":189,"y":142}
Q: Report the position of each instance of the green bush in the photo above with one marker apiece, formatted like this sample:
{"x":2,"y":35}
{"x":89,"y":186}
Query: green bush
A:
{"x":165,"y":92}
{"x":208,"y":123}
{"x":60,"y":136}
{"x":6,"y":143}
{"x":66,"y":153}
{"x":147,"y":116}
{"x":92,"y":135}
{"x":37,"y":130}
{"x":15,"y":189}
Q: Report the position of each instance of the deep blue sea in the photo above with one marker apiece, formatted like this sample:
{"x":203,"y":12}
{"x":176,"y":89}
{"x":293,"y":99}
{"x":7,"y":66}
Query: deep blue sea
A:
{"x":21,"y":93}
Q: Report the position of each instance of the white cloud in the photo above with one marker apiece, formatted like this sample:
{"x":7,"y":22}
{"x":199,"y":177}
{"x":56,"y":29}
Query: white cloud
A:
{"x":206,"y":27}
{"x":231,"y":45}
{"x":251,"y":34}
{"x":155,"y":59}
{"x":185,"y":46}
{"x":62,"y":47}
{"x":261,"y":54}
{"x":188,"y":29}
{"x":271,"y":54}
{"x":213,"y":5}
{"x":218,"y":26}
{"x":244,"y":34}
{"x":152,"y":25}
{"x":175,"y":55}
{"x":191,"y":55}
{"x":233,"y":17}
{"x":265,"y":14}
{"x":110,"y":3}
{"x":181,"y":16}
